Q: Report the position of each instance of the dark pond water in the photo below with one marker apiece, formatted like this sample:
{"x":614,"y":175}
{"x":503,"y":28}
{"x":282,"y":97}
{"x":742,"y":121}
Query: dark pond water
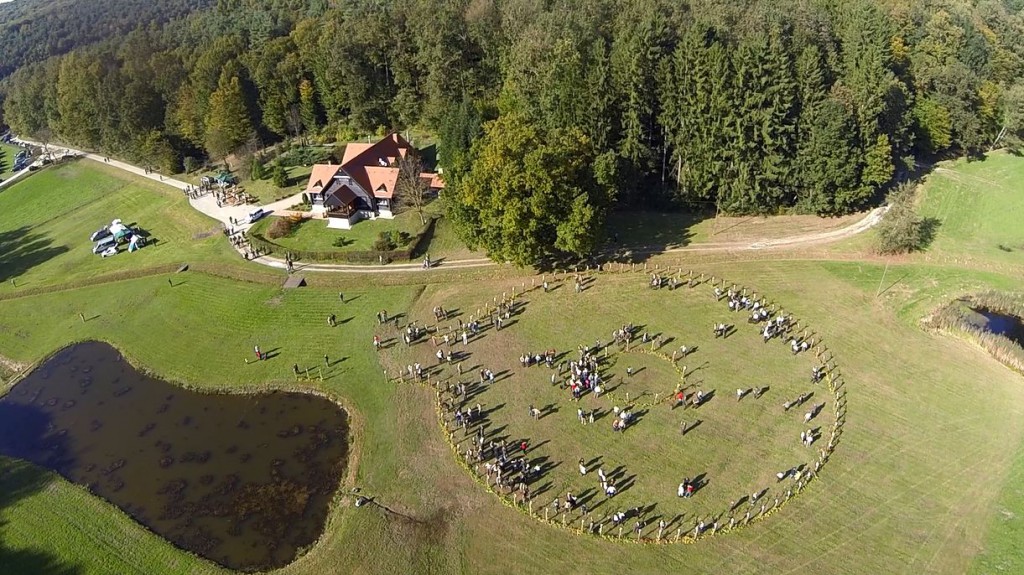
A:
{"x":1010,"y":326}
{"x":242,"y":480}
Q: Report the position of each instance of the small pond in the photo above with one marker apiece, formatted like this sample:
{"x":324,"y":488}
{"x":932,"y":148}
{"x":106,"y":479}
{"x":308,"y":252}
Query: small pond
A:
{"x":242,"y":480}
{"x":1006,"y":325}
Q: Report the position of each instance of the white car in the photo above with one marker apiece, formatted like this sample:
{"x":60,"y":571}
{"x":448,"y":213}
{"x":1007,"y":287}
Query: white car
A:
{"x":257,"y":215}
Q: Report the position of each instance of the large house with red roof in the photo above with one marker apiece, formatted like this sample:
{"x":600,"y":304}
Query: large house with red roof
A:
{"x":363,"y":186}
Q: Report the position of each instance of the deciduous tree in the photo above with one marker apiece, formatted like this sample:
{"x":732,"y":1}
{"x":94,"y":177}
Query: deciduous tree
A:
{"x":529,"y":195}
{"x":412,"y":190}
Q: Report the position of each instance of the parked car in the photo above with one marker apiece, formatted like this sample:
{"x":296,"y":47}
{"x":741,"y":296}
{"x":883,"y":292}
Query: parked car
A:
{"x":104,"y":244}
{"x":100,"y":234}
{"x":256,"y":215}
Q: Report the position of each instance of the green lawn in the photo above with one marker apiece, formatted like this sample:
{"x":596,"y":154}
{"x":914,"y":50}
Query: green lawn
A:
{"x":1003,"y":552}
{"x":977,"y":207}
{"x":46,"y":221}
{"x":907,"y":462}
{"x":267,"y":192}
{"x":561,"y":320}
{"x":314,"y":235}
{"x":925,"y":478}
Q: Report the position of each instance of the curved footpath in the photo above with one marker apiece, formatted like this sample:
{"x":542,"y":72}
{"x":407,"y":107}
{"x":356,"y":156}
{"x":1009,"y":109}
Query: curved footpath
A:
{"x":208,"y":205}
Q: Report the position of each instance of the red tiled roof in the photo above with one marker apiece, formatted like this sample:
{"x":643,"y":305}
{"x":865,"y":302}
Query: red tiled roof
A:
{"x":364,"y":164}
{"x":373,"y":166}
{"x":383,"y":181}
{"x":354,"y":149}
{"x":433,"y":180}
{"x":321,"y":176}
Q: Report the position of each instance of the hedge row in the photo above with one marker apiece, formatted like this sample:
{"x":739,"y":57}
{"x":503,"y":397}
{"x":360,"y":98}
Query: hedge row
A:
{"x":264,"y":245}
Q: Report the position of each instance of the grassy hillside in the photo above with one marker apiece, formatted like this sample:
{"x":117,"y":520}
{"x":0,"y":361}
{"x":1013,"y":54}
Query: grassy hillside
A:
{"x":917,"y":483}
{"x":46,"y":221}
{"x":977,"y":207}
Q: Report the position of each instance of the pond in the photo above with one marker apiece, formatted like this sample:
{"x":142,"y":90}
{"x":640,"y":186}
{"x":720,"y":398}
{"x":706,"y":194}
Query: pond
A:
{"x":1002,"y":324}
{"x":244,"y":481}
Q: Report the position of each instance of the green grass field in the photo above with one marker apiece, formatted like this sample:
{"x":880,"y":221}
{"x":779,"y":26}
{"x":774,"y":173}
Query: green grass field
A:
{"x":977,"y":207}
{"x":925,"y":477}
{"x":46,"y":221}
{"x":267,"y":192}
{"x":717,"y":367}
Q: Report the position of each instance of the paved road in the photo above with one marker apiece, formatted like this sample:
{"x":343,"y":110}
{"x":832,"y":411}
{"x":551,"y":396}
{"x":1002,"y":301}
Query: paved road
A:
{"x":208,"y":205}
{"x":15,"y":177}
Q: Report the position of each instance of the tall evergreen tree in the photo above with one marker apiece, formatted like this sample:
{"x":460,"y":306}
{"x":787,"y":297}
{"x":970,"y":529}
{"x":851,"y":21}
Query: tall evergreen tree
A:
{"x":228,"y":122}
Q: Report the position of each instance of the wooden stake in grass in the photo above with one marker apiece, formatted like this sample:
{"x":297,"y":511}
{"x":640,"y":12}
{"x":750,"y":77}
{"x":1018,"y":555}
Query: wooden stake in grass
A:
{"x":82,"y":315}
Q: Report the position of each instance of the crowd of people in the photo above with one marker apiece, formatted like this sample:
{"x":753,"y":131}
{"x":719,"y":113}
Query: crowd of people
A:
{"x":506,"y":465}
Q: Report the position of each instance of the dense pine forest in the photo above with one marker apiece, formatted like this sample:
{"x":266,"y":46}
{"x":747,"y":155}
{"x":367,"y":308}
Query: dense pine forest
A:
{"x":551,"y":112}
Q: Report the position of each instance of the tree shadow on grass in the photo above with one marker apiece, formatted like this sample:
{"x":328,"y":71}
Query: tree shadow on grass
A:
{"x":23,"y":430}
{"x":929,"y":229}
{"x":22,"y":250}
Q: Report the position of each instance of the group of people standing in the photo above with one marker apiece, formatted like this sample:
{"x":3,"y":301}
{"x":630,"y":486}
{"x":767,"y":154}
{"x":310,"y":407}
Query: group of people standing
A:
{"x":510,"y":468}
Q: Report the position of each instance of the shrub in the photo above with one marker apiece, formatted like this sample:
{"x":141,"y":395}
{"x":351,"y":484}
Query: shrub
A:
{"x":304,"y":156}
{"x":256,"y":170}
{"x":902,"y":230}
{"x":279,"y":176}
{"x":284,"y":226}
{"x":385,"y":242}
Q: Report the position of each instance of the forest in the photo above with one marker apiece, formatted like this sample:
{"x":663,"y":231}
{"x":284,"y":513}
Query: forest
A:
{"x":550,"y":113}
{"x":34,"y":30}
